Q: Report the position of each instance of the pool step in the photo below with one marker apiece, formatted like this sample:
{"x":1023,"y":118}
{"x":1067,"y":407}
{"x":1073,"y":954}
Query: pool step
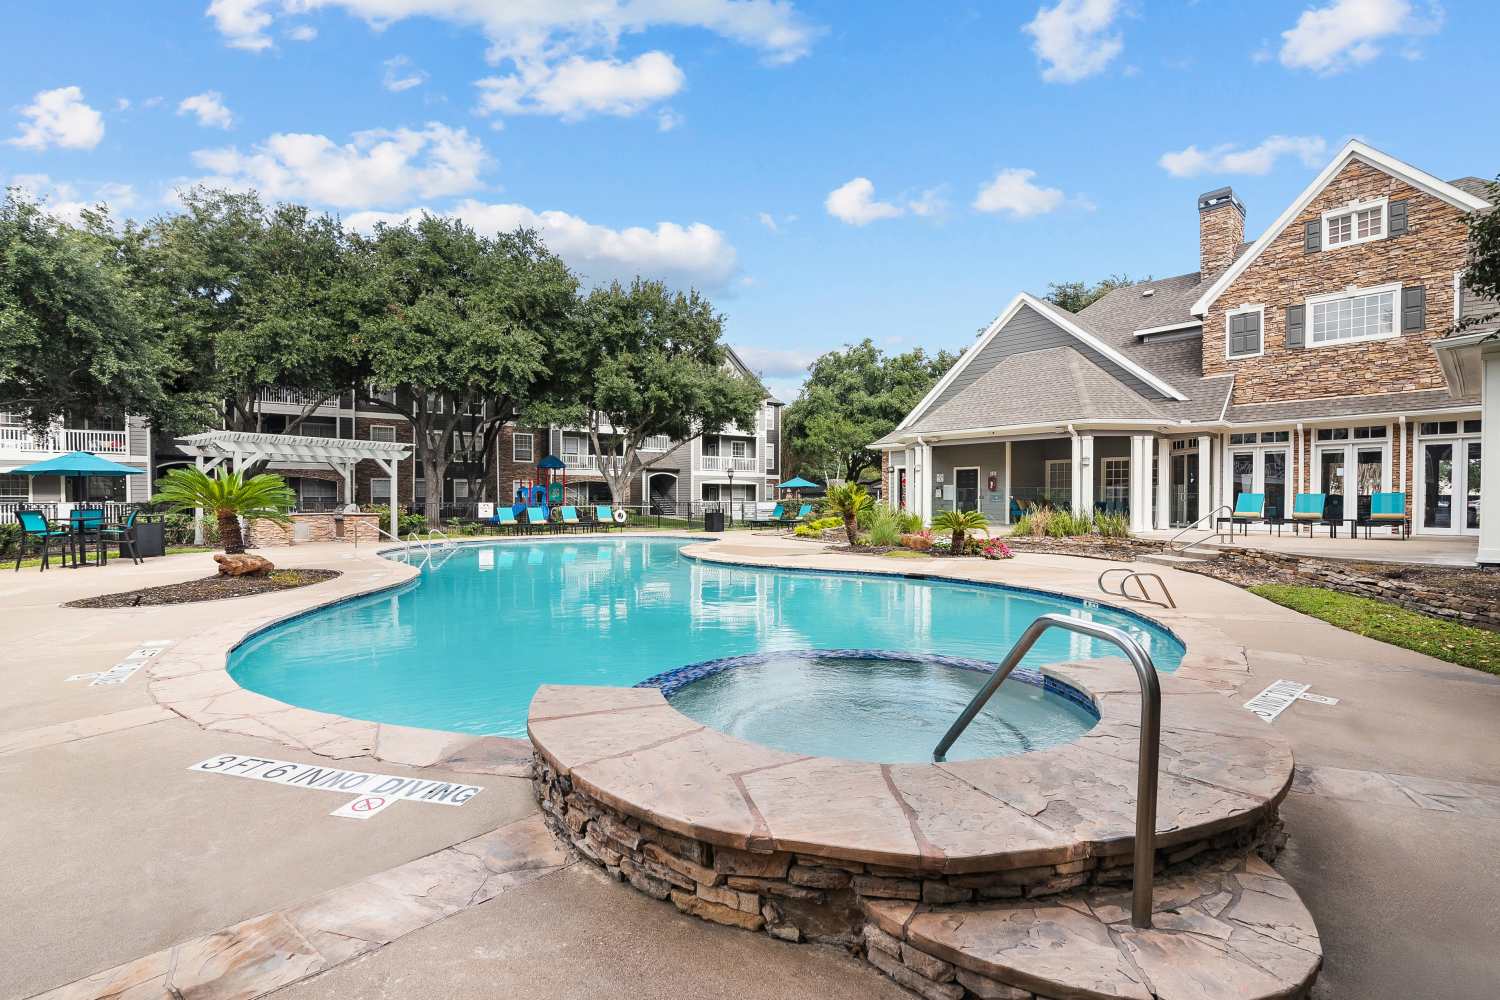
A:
{"x":1190,"y":555}
{"x":1231,"y":929}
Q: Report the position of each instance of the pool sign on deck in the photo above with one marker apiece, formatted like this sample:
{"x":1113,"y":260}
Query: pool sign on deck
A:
{"x":373,"y":792}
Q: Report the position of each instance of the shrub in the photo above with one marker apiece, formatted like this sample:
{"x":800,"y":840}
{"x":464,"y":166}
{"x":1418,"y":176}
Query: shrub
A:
{"x":917,"y":541}
{"x":1112,"y":525}
{"x":959,"y":524}
{"x":994,"y":548}
{"x":885,"y":527}
{"x":909,"y":522}
{"x":847,"y":501}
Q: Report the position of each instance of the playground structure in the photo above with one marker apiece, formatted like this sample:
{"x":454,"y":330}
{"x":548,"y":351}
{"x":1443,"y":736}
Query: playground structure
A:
{"x":548,"y":490}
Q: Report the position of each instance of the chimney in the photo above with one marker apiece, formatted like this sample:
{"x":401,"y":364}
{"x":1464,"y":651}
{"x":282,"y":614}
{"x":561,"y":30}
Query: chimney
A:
{"x":1221,"y":230}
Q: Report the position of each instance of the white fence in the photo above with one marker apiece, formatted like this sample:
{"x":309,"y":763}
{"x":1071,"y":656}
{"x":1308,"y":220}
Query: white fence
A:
{"x":723,"y":463}
{"x":60,"y":439}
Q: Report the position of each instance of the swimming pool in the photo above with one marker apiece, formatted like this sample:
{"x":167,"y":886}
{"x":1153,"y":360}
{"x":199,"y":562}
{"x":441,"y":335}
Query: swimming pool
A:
{"x":464,"y":647}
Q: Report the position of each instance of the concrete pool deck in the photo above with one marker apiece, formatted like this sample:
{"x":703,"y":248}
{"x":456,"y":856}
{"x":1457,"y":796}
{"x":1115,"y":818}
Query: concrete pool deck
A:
{"x":116,"y":852}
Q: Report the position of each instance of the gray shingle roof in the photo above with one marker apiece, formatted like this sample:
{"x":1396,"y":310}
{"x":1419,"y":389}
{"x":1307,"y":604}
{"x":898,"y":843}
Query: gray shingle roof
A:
{"x":1343,"y":406}
{"x":1122,"y":311}
{"x":1477,"y":186}
{"x":1011,"y":393}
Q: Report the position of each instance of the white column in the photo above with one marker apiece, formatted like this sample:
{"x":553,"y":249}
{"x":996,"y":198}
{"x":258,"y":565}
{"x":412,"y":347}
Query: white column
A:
{"x":1005,"y":496}
{"x":198,"y":511}
{"x":1086,"y":475}
{"x":1205,"y":474}
{"x":395,"y":468}
{"x":1163,"y":483}
{"x":1140,"y":482}
{"x":923,"y":483}
{"x":1401,"y":470}
{"x":1489,"y":466}
{"x":1075,"y":470}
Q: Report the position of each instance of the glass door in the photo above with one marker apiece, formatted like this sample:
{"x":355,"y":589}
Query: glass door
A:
{"x":1273,"y":482}
{"x":1437,"y":485}
{"x":1332,"y":463}
{"x":1471,"y":493}
{"x":966,"y":488}
{"x":1241,"y":475}
{"x":1184,"y":489}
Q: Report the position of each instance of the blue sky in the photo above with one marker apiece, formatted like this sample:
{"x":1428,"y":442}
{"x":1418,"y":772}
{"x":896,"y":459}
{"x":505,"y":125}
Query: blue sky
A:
{"x":825,"y":171}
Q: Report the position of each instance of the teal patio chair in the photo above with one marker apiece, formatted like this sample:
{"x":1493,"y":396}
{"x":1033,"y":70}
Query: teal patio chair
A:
{"x":1307,"y":508}
{"x":605,"y":515}
{"x":505,"y":520}
{"x":122,"y":534}
{"x":1388,"y":509}
{"x":1248,"y":508}
{"x":36,"y":531}
{"x":570,"y":520}
{"x":85,"y":523}
{"x":778,"y":513}
{"x":536,"y":518}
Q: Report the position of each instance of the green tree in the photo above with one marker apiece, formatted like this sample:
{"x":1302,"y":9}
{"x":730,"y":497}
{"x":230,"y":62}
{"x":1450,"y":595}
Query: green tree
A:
{"x":1075,"y":295}
{"x":848,"y":501}
{"x":228,"y":496}
{"x":959,"y":523}
{"x":459,"y":331}
{"x":71,"y":338}
{"x":247,"y":298}
{"x":649,"y":361}
{"x":1482,"y":274}
{"x":852,"y":397}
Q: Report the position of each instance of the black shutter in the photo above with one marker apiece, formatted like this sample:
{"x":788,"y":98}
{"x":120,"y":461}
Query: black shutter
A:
{"x":1413,"y":308}
{"x":1312,"y":236}
{"x":1296,"y":326}
{"x":1396,"y":218}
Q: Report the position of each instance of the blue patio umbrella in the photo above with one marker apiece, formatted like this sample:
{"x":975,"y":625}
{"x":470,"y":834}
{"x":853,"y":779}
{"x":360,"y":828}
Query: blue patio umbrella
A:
{"x":797,"y":484}
{"x":77,"y":465}
{"x":551,"y":462}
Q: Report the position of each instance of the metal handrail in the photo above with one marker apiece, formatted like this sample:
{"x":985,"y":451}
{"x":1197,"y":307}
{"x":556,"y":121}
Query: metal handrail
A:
{"x":1138,"y":576}
{"x":1150,"y":750}
{"x":1195,"y":527}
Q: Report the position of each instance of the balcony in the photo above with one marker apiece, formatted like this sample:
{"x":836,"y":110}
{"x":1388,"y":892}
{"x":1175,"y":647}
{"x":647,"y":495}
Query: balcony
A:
{"x":581,"y":463}
{"x":295,"y":397}
{"x":724,"y":463}
{"x":58,"y":440}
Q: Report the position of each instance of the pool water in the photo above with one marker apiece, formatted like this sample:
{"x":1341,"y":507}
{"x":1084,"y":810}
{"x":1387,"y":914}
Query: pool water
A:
{"x":464,"y":647}
{"x":887,"y":710}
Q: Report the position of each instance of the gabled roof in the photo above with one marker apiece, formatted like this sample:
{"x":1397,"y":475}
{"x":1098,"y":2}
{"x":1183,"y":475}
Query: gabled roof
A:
{"x":1076,"y":389}
{"x":1353,"y":150}
{"x":1065,"y":321}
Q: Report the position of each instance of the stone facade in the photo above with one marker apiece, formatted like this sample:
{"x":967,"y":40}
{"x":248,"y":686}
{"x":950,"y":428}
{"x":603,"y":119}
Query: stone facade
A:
{"x":366,"y":471}
{"x":1221,"y":230}
{"x":1428,"y":254}
{"x":362,"y":529}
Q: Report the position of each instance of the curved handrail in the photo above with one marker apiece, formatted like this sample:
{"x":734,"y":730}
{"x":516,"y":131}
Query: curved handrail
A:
{"x":1150,"y":749}
{"x":1171,"y":542}
{"x":1139,"y":577}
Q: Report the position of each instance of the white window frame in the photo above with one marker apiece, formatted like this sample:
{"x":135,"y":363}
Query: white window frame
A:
{"x":515,"y":450}
{"x":1104,"y":484}
{"x":17,"y":497}
{"x":380,"y":479}
{"x":1356,"y":206}
{"x":1047,"y":467}
{"x":770,"y":455}
{"x":1393,"y":288}
{"x":1243,"y":308}
{"x":384,"y":430}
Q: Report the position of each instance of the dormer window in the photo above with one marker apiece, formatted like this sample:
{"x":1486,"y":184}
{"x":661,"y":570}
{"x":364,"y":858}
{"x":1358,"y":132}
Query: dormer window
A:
{"x":1354,"y":224}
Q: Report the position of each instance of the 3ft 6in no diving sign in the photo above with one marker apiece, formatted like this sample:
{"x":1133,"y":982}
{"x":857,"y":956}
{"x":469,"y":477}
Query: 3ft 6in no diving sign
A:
{"x":387,"y":787}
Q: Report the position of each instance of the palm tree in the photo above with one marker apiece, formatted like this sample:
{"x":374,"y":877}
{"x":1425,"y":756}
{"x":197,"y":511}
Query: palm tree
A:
{"x":960,"y":523}
{"x":229,"y":497}
{"x":848,"y":501}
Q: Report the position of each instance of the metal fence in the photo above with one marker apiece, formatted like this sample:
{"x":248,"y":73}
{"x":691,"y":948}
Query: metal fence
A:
{"x":58,"y":511}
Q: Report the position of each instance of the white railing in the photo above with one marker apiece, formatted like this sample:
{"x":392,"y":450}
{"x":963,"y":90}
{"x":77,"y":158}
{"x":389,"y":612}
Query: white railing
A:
{"x":293,"y":397}
{"x":656,"y":442}
{"x":581,"y":463}
{"x":61,"y":440}
{"x":723,"y":463}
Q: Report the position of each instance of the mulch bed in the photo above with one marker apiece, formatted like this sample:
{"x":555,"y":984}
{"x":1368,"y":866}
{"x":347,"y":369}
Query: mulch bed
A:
{"x":209,"y":588}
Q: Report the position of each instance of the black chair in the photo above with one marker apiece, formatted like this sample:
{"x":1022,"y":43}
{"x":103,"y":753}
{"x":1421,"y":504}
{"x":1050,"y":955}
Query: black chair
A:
{"x":122,"y":534}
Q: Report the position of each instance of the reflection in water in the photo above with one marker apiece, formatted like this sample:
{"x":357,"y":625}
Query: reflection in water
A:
{"x":465,"y":649}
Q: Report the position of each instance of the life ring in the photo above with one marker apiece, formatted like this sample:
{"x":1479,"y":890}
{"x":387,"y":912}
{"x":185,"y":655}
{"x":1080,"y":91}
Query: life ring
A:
{"x":620,"y":516}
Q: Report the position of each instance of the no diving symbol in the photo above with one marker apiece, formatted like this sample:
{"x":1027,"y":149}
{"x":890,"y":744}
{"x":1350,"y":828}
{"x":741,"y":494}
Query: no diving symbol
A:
{"x":363,"y":807}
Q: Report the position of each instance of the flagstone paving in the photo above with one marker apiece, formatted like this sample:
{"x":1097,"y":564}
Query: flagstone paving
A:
{"x":123,"y":853}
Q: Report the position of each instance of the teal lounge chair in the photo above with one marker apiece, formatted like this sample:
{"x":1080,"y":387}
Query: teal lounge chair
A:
{"x":536,"y":519}
{"x":39,"y":534}
{"x":778,"y":513}
{"x":1387,"y":509}
{"x":505,"y":520}
{"x":802,"y":515}
{"x":570,"y":520}
{"x":1248,"y":507}
{"x":1307,"y":508}
{"x":605,"y":515}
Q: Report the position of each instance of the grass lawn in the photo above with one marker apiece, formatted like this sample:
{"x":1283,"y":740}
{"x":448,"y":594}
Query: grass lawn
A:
{"x":172,"y":550}
{"x":1451,"y":641}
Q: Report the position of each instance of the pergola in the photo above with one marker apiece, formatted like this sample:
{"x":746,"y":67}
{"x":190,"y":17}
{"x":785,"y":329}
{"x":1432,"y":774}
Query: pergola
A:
{"x":212,"y":449}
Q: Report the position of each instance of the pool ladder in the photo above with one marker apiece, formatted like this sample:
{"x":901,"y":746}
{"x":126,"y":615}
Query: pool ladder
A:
{"x":1150,"y":747}
{"x":1139,"y":576}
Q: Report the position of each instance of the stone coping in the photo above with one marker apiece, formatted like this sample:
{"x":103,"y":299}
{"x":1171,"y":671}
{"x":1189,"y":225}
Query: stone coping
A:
{"x":629,"y":749}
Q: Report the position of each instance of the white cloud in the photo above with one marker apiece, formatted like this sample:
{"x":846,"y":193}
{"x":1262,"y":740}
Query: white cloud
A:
{"x":401,"y":74}
{"x":378,"y":167}
{"x":208,"y":107}
{"x":1347,"y":33}
{"x":775,"y":362}
{"x":1073,"y":38}
{"x":693,"y":254}
{"x":667,"y":120}
{"x":928,"y":204}
{"x":122,"y":104}
{"x":1258,"y":160}
{"x":302,"y":33}
{"x":66,"y":201}
{"x":773,"y":26}
{"x":59,"y":118}
{"x":769,"y":221}
{"x":577,"y":87}
{"x":1012,"y":192}
{"x":855,"y":203}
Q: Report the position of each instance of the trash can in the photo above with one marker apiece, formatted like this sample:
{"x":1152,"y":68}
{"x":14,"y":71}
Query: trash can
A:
{"x":713,"y":520}
{"x":150,"y":539}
